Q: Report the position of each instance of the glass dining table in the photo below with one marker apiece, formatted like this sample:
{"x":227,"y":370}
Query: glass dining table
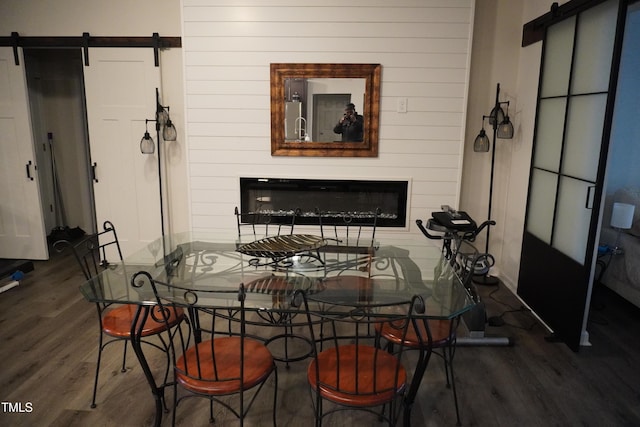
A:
{"x":274,"y":268}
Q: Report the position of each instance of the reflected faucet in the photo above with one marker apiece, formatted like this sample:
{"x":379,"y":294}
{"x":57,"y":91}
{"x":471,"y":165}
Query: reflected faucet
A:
{"x":301,"y":128}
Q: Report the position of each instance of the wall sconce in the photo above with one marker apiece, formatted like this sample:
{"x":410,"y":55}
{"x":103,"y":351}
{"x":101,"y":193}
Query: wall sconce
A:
{"x":147,"y":144}
{"x":502,"y":128}
{"x":505,"y":127}
{"x":169,"y":132}
{"x":481,"y":143}
{"x":163,"y":121}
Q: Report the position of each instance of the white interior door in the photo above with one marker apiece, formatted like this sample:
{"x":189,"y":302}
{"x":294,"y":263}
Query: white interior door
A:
{"x":22,"y":234}
{"x":120,"y":88}
{"x":328,"y":109}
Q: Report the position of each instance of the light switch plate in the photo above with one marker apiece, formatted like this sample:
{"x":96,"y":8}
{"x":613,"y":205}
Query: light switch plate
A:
{"x":402,"y":105}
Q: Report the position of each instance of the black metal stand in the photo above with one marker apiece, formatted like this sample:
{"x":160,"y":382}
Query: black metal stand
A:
{"x":160,"y":109}
{"x":487,"y":279}
{"x":158,"y":125}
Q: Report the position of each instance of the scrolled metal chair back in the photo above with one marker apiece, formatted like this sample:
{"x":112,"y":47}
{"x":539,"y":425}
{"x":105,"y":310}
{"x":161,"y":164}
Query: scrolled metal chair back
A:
{"x":93,"y":252}
{"x":257,"y":225}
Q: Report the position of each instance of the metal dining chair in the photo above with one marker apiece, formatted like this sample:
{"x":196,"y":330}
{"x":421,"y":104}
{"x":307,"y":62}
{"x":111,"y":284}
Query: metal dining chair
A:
{"x":254,"y":227}
{"x":348,"y":229}
{"x":349,"y":370}
{"x":443,"y":332}
{"x":257,"y":225}
{"x":223,"y":361}
{"x":92,"y":254}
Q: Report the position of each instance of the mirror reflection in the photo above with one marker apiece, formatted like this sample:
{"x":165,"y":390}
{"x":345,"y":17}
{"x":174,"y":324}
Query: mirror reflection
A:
{"x":324,"y":109}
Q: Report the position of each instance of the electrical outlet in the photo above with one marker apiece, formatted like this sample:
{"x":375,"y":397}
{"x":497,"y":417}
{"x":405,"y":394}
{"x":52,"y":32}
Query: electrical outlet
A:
{"x":402,"y":105}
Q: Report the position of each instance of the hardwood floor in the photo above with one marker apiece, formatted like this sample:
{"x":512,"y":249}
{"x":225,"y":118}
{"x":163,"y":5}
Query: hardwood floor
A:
{"x":48,"y":340}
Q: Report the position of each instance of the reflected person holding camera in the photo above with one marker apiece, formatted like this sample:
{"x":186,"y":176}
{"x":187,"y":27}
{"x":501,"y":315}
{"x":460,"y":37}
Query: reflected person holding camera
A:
{"x":351,"y":125}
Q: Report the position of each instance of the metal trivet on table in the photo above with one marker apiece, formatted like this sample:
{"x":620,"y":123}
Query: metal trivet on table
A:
{"x":280,"y":249}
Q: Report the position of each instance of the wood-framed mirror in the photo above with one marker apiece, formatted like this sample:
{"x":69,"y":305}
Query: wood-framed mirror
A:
{"x":310,"y":113}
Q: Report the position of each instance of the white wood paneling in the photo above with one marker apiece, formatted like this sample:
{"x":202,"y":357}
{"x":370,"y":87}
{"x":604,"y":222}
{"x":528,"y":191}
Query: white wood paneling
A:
{"x":294,"y":29}
{"x":357,"y":54}
{"x":422,"y":45}
{"x":327,"y":44}
{"x":306,"y":12}
{"x":331,"y":3}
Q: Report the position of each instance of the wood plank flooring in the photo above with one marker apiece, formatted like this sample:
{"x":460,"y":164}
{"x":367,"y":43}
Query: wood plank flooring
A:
{"x":48,"y":340}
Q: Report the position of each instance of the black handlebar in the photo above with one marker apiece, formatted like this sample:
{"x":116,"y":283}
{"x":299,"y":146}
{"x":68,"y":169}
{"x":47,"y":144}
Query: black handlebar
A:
{"x":469,"y":235}
{"x":425,"y":232}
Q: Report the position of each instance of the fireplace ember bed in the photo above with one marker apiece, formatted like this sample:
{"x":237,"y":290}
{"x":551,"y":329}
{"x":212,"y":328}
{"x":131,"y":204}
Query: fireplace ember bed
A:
{"x":333,"y":200}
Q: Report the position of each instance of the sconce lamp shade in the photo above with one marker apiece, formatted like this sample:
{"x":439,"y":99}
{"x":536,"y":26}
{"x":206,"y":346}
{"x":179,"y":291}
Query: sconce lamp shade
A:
{"x":162,"y":115}
{"x":622,"y":215}
{"x":505,"y":129}
{"x":147,"y":146}
{"x":496,"y":115}
{"x":481,"y":144}
{"x":169,"y":132}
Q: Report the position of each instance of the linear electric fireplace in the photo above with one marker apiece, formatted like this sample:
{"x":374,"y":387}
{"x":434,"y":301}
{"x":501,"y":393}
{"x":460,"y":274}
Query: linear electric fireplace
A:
{"x":359,"y":199}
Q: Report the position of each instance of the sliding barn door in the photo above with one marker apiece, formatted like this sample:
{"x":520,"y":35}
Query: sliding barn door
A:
{"x":22,"y":234}
{"x":120,"y":88}
{"x":570,"y":149}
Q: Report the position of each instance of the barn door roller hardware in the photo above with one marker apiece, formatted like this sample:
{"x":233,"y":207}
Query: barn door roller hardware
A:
{"x":87,"y":41}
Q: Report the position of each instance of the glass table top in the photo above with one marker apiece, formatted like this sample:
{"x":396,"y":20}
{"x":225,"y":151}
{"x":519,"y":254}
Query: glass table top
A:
{"x":193,"y":265}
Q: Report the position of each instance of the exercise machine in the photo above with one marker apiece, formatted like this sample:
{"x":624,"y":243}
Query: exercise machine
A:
{"x":454,"y":227}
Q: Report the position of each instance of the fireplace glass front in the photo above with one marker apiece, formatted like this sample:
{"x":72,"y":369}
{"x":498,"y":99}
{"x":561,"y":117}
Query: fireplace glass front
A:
{"x":279,"y":198}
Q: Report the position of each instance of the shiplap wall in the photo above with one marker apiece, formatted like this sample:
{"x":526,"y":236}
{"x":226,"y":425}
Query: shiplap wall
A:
{"x":424,"y":49}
